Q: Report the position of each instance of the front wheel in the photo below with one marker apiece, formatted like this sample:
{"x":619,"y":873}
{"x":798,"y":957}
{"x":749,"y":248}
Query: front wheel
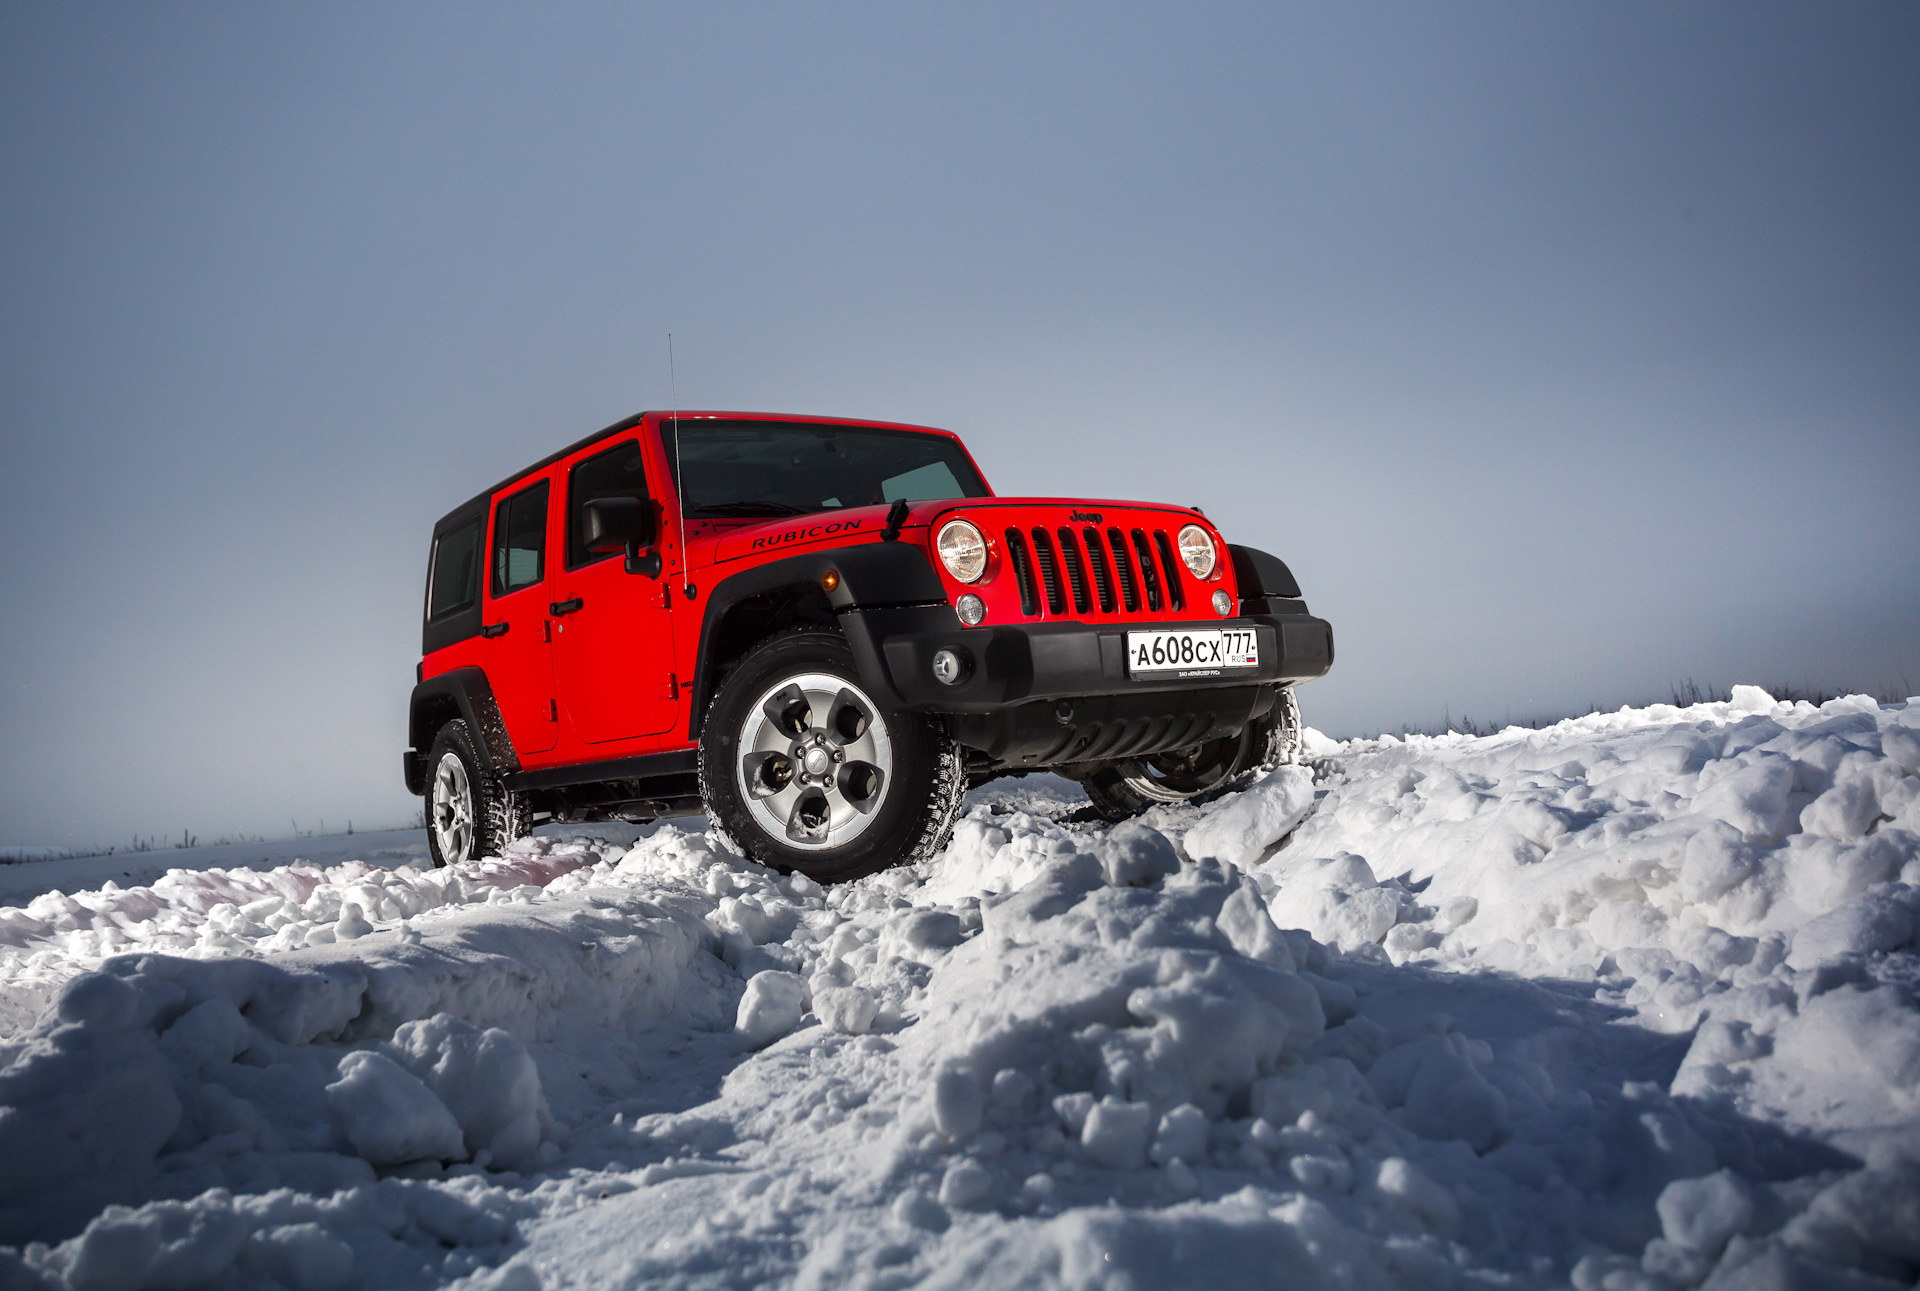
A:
{"x":807,"y":771}
{"x":469,"y":812}
{"x":1129,"y":788}
{"x":1281,"y":732}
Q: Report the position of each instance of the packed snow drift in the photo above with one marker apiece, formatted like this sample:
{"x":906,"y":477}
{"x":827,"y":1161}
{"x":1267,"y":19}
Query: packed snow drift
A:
{"x":1628,"y":1002}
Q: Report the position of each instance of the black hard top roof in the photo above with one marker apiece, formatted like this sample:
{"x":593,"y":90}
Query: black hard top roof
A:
{"x":479,"y":500}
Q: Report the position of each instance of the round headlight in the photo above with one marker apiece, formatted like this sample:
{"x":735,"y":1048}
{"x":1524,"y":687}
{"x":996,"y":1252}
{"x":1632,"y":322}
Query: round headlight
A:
{"x":962,"y":550}
{"x":1196,"y":549}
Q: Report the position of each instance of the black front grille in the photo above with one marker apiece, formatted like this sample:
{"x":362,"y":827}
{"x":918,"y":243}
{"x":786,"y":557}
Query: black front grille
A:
{"x":1123,"y":570}
{"x":1148,"y":575}
{"x":1023,"y":571}
{"x":1176,"y":594}
{"x":1076,"y":571}
{"x":1097,"y":566}
{"x":1049,"y":571}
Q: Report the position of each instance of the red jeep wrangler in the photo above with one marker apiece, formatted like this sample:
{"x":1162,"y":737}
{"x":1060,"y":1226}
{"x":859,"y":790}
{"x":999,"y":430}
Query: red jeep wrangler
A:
{"x":824,"y":632}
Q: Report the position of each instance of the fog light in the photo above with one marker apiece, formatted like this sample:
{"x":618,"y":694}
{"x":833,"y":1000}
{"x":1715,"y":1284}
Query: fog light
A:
{"x":949,"y":667}
{"x":972,"y":610}
{"x":1222,"y":603}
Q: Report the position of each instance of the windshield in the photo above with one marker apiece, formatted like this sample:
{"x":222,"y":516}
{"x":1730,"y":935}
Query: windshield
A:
{"x":783,"y":468}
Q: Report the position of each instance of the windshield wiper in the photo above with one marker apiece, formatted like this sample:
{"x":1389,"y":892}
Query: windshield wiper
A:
{"x":751,"y":509}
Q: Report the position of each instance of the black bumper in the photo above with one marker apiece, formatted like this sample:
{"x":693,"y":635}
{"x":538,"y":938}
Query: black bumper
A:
{"x":1060,"y":693}
{"x":1012,"y":663}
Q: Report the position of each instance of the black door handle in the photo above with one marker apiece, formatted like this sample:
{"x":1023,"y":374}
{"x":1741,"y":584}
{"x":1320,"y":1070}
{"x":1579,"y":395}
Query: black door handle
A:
{"x":565,"y":607}
{"x":494,"y":629}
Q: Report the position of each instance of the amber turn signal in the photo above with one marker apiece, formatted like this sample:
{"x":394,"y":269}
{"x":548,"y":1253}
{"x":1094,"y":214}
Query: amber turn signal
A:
{"x":830,"y":580}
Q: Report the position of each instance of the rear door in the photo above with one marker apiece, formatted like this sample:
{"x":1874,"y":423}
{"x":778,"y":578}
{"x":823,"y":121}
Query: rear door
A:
{"x":516,"y":631}
{"x":613,"y":631}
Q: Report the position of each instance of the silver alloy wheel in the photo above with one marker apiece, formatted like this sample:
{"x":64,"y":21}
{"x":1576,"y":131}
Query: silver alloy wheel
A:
{"x":452,"y":809}
{"x":815,"y":761}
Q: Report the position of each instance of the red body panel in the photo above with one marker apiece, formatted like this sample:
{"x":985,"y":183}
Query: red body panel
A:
{"x":614,"y":656}
{"x":621,"y":690}
{"x":519,"y":662}
{"x":462,"y":654}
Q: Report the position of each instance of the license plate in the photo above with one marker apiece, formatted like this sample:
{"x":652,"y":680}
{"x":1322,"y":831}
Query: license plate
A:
{"x":1203,"y":653}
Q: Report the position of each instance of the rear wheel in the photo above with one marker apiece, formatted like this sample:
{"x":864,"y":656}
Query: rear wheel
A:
{"x":1128,"y":788}
{"x":469,"y":812}
{"x":807,"y":771}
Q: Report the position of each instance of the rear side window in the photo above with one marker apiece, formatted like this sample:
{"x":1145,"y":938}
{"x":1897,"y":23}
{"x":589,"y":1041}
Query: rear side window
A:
{"x":520,"y":540}
{"x":453,"y":581}
{"x":617,"y":473}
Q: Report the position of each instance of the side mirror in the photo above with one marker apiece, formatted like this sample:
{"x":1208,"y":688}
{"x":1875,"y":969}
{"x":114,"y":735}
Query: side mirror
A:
{"x":623,"y":524}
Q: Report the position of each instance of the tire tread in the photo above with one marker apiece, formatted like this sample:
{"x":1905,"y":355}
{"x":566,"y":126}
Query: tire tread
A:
{"x":499,"y":815}
{"x":923,"y":839}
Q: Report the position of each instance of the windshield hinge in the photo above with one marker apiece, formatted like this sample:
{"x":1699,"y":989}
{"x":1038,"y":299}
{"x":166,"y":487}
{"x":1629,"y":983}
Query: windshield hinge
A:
{"x":896,"y":517}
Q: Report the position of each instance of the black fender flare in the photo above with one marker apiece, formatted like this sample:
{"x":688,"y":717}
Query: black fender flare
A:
{"x":871,"y":575}
{"x":1268,"y":587}
{"x":1260,"y":574}
{"x":469,"y":693}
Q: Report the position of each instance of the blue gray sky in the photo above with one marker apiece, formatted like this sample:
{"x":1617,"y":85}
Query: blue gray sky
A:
{"x":1566,"y":351}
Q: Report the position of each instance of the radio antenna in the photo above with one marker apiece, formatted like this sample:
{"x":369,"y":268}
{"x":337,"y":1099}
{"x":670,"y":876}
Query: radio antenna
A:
{"x":679,"y":478}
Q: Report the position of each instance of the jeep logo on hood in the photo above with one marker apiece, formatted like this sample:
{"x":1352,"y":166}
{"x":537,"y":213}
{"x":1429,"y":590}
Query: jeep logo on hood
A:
{"x":1084,"y":517}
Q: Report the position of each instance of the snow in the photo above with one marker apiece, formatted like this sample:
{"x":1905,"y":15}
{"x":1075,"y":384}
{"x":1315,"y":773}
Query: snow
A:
{"x":38,"y":869}
{"x":388,"y":1115}
{"x":1626,"y":1002}
{"x":770,"y":1007}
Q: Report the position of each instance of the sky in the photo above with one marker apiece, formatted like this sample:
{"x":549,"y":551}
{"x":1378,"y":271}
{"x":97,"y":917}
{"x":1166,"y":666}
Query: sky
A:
{"x":1566,"y":353}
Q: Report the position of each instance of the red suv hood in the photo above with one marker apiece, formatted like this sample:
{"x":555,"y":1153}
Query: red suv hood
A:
{"x":1086,"y":505}
{"x":723,"y":541}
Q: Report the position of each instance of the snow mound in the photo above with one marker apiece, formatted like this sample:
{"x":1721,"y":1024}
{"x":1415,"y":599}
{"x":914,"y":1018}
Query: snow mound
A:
{"x":215,"y":913}
{"x":1627,"y":1002}
{"x":1737,"y":871}
{"x":172,"y":1076}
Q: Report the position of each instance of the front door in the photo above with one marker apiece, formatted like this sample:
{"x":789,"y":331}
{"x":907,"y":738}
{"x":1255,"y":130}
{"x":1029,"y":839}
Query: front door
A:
{"x":515,"y":650}
{"x":613,"y":633}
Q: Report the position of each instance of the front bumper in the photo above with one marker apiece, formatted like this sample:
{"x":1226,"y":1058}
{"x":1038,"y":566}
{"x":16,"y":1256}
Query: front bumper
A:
{"x":1016,"y":663}
{"x":1060,"y":695}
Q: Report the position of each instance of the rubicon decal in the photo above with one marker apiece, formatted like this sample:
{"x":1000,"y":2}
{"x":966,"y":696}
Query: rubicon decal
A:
{"x":795,"y":535}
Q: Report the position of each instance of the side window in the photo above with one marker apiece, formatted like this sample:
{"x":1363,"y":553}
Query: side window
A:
{"x":520,"y":540}
{"x":453,"y":581}
{"x":617,"y":473}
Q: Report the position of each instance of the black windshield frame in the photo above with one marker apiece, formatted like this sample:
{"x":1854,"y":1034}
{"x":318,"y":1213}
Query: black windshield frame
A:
{"x":741,"y":468}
